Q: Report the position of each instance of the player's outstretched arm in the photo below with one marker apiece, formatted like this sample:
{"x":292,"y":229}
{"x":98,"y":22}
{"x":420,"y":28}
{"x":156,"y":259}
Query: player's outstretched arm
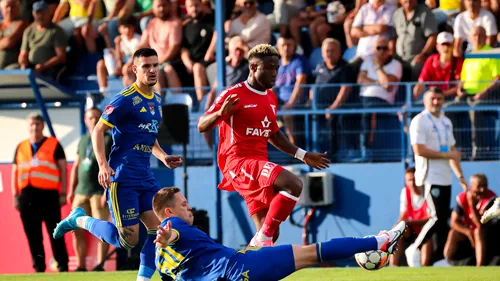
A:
{"x":313,"y":159}
{"x":208,"y":121}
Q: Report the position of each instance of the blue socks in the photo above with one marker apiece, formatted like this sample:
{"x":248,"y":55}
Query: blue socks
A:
{"x":106,"y":232}
{"x":147,"y":267}
{"x":341,"y":248}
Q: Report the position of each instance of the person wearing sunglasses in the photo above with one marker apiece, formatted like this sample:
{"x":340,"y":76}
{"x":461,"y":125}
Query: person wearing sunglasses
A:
{"x":377,"y":76}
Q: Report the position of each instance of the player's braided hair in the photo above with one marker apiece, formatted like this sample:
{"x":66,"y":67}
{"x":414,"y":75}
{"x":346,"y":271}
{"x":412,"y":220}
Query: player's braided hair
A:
{"x":262,"y":50}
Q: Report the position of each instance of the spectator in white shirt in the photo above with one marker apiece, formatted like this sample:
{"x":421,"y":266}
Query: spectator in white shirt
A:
{"x":465,"y":21}
{"x":374,"y":18}
{"x":376,"y":76}
{"x":432,"y":140}
{"x":252,"y":26}
{"x":381,"y":69}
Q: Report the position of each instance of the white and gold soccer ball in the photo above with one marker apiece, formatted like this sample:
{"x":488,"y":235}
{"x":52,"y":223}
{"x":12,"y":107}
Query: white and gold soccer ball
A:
{"x":372,"y":260}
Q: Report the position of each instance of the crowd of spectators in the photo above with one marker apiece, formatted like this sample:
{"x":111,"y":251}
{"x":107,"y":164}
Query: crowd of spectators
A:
{"x":377,"y":42}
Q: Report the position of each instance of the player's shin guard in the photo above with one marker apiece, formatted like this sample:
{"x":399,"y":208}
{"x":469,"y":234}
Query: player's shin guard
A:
{"x":341,"y":248}
{"x":280,"y":208}
{"x":147,"y":266}
{"x":106,"y":232}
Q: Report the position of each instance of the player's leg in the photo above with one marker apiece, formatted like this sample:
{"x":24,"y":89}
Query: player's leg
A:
{"x":396,"y":257}
{"x":493,"y":212}
{"x":426,"y":253}
{"x":288,"y":188}
{"x":258,"y":219}
{"x":124,"y":233}
{"x":147,"y":264}
{"x":480,"y":243}
{"x":340,"y":248}
{"x":79,"y":243}
{"x":283,"y":260}
{"x":450,"y":248}
{"x":101,"y":212}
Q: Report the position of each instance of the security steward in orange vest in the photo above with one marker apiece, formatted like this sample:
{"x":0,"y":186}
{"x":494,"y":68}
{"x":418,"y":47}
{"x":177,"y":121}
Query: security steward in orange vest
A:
{"x":38,"y":172}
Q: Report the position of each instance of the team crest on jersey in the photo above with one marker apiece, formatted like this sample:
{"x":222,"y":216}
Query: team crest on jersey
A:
{"x":152,"y":108}
{"x":109,"y":109}
{"x":136,"y":100}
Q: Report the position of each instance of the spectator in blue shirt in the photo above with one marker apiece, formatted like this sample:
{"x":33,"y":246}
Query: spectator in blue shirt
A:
{"x":292,"y":76}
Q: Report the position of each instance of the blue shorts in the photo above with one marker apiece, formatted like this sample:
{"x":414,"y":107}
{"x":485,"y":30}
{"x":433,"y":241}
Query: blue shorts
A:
{"x":127,"y":200}
{"x":261,"y":264}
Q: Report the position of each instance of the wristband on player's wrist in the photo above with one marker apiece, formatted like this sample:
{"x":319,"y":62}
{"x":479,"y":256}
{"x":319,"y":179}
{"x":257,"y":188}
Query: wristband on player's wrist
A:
{"x":300,"y":154}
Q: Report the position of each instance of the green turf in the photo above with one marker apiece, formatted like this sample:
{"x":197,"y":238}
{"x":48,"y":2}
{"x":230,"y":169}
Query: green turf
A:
{"x":399,"y":274}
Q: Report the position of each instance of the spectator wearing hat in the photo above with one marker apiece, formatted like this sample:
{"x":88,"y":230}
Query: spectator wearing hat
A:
{"x":440,"y":67}
{"x":44,"y":44}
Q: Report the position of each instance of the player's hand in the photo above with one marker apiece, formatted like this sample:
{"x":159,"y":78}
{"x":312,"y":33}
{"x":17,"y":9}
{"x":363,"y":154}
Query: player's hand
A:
{"x":317,"y":160}
{"x":105,"y":174}
{"x":163,"y":235}
{"x":229,"y":105}
{"x":172,"y":161}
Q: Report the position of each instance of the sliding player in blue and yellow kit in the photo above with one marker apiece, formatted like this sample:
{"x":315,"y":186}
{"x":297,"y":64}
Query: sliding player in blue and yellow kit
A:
{"x":133,"y":116}
{"x":183,"y":252}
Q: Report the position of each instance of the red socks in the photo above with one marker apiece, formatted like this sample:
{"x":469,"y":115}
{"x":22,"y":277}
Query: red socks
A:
{"x":281,"y":207}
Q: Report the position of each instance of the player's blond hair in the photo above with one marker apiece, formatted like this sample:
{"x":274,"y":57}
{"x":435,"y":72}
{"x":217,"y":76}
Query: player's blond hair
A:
{"x":262,"y":50}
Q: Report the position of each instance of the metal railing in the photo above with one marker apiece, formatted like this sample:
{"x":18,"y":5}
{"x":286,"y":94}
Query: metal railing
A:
{"x":361,"y":132}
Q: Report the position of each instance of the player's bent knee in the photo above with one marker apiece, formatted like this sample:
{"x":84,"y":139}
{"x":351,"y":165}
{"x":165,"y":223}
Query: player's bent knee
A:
{"x":294,"y":186}
{"x":128,"y":237}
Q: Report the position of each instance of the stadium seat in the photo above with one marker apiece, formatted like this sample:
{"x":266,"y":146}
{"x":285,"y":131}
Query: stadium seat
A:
{"x":350,"y":53}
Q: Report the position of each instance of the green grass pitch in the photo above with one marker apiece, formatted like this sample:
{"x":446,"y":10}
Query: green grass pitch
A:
{"x":320,"y":274}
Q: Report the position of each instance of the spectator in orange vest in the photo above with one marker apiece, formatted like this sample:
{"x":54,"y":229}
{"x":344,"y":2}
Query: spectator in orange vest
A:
{"x":467,"y":235}
{"x":413,"y":211}
{"x":38,"y":172}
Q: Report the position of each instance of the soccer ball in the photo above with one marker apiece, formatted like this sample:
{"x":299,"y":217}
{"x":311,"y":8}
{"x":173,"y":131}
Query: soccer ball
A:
{"x":372,"y":260}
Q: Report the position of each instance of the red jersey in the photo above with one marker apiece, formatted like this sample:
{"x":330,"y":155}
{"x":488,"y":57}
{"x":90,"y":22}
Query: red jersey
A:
{"x":415,"y":214}
{"x":463,"y":209}
{"x":245,"y":132}
{"x":432,"y":72}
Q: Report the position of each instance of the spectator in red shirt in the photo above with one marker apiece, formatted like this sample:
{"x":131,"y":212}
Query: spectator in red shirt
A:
{"x":414,"y":211}
{"x":467,"y":232}
{"x":441,"y":67}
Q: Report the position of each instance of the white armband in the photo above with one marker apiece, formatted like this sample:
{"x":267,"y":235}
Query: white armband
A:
{"x":300,"y":154}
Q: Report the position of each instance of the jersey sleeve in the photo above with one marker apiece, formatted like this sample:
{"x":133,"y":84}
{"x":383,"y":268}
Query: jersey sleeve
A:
{"x":274,"y":126}
{"x":59,"y":153}
{"x":417,"y":131}
{"x":115,"y":110}
{"x":219,"y":101}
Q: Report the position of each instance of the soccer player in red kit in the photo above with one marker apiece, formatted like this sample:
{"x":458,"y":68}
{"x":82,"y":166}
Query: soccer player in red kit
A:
{"x":246,"y":116}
